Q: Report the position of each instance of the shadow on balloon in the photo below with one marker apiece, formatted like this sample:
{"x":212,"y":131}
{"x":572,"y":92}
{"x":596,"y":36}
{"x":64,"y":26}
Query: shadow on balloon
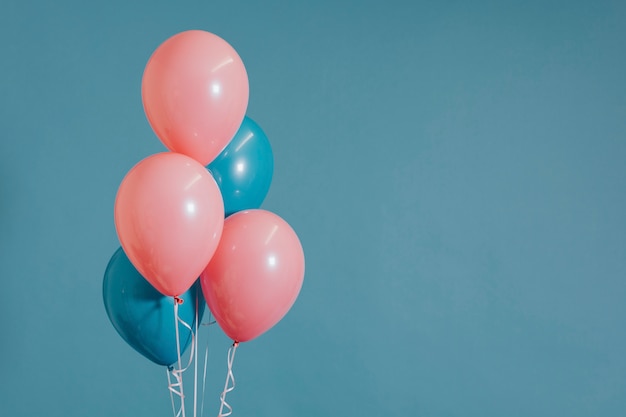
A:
{"x":143,"y":316}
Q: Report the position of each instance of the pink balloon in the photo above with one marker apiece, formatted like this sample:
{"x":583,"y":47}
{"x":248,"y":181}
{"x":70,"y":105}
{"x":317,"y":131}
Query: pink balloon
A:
{"x":255,"y":275}
{"x":169,"y":216}
{"x":195,"y":94}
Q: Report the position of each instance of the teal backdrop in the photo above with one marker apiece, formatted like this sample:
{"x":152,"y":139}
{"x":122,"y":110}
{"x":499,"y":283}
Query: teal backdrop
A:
{"x":456,"y":172}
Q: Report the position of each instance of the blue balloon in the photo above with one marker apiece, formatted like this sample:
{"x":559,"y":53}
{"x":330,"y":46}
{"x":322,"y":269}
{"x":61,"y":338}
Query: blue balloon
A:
{"x":143,"y":316}
{"x":244,"y":169}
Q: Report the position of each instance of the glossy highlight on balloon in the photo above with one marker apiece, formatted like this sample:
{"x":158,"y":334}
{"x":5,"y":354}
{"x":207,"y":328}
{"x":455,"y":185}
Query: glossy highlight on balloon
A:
{"x":244,"y":169}
{"x":169,"y":216}
{"x":195,"y":94}
{"x":255,"y":275}
{"x":144,"y":317}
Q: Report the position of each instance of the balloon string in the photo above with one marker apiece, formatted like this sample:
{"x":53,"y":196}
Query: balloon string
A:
{"x":169,"y":384}
{"x":206,"y":361}
{"x":195,"y":356}
{"x":229,"y":378}
{"x":177,"y":373}
{"x":176,"y":388}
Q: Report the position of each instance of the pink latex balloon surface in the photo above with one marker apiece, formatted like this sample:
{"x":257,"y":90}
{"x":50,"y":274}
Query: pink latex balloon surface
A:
{"x":195,"y":94}
{"x":169,"y":216}
{"x":255,"y":275}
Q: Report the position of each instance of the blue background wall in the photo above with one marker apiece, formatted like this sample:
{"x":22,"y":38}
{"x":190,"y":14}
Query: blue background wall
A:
{"x":455,"y":171}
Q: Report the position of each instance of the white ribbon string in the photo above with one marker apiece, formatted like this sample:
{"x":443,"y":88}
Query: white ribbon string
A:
{"x":169,"y":384}
{"x":230,"y":378}
{"x":195,"y":368}
{"x":176,"y":388}
{"x":206,"y":361}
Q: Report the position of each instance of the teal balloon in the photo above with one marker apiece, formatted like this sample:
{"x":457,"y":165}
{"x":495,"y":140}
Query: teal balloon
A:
{"x":143,"y":316}
{"x":244,"y":169}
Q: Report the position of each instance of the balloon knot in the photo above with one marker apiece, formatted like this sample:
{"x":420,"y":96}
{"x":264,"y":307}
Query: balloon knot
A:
{"x":178,"y":300}
{"x":235,"y":343}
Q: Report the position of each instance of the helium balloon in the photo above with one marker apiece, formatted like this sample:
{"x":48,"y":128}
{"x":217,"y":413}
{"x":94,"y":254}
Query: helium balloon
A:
{"x":244,"y":169}
{"x":143,"y":316}
{"x":255,"y":275}
{"x":169,"y":216}
{"x":195,"y":94}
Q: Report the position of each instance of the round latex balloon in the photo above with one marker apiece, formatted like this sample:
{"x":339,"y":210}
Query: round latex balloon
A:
{"x":169,"y":216}
{"x":255,"y":275}
{"x":195,"y":93}
{"x":244,"y":169}
{"x":143,"y":316}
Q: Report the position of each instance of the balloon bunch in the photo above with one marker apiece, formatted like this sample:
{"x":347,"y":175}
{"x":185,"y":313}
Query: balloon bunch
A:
{"x":188,"y":220}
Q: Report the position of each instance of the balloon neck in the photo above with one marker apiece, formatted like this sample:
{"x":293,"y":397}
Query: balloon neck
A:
{"x":178,"y":300}
{"x":235,"y":343}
